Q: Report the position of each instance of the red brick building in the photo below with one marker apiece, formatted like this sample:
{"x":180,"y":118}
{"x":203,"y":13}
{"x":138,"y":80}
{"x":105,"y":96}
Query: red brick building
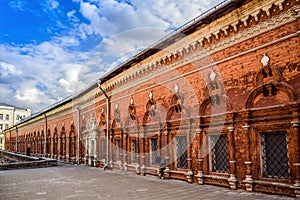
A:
{"x":216,"y":102}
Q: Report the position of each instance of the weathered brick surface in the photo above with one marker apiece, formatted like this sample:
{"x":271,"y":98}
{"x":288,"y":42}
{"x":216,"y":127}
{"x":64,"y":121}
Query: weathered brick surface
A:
{"x":265,"y":98}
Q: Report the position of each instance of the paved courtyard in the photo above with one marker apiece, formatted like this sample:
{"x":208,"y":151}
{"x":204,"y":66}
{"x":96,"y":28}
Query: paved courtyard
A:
{"x":80,"y":182}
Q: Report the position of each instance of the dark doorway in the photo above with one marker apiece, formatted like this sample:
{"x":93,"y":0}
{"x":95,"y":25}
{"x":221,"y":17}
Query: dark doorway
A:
{"x":28,"y":151}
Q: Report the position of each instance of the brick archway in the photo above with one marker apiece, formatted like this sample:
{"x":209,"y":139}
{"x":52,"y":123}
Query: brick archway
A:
{"x":268,"y":90}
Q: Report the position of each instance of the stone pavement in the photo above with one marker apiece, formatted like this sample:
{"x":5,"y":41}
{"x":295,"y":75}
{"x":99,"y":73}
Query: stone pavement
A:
{"x":81,"y":182}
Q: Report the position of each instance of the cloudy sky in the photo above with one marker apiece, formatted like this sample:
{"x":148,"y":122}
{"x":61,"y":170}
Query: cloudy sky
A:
{"x":51,"y":49}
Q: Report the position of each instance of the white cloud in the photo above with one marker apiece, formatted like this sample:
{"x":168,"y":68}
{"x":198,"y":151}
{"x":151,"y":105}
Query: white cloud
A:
{"x":71,"y":13}
{"x":50,"y":4}
{"x":18,"y":5}
{"x":30,"y":96}
{"x":54,"y":5}
{"x":45,"y":63}
{"x":7,"y":69}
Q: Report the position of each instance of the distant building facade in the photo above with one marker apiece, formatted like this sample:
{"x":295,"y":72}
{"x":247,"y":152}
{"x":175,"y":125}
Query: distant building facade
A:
{"x":9,"y":116}
{"x":217,"y":103}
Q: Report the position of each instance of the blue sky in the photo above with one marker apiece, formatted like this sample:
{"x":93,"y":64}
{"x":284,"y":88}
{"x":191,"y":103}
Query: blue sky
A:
{"x":50,"y":49}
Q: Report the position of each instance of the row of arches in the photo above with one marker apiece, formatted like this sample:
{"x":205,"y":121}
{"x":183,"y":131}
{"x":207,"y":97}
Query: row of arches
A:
{"x":57,"y":145}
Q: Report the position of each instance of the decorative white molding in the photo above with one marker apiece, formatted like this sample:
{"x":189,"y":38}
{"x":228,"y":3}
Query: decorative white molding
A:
{"x":231,"y":129}
{"x":176,"y":88}
{"x":295,"y":123}
{"x":265,"y":60}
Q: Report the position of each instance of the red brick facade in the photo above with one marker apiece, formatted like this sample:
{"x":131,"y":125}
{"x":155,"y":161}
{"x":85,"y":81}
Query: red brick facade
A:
{"x":219,"y":106}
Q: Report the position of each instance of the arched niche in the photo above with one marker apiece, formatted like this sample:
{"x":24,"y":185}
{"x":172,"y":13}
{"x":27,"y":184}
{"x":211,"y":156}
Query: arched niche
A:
{"x":224,"y":105}
{"x":268,"y":74}
{"x":271,"y":94}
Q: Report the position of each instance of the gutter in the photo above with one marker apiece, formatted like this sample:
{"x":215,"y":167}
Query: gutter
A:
{"x":107,"y":122}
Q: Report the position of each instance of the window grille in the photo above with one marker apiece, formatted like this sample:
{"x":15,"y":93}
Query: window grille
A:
{"x":118,"y":150}
{"x":103,"y":149}
{"x":219,"y":154}
{"x":133,"y":150}
{"x":181,"y":152}
{"x":153,"y":150}
{"x":274,"y":155}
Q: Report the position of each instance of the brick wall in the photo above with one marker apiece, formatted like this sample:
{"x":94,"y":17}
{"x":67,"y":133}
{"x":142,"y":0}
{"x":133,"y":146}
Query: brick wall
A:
{"x":216,"y":86}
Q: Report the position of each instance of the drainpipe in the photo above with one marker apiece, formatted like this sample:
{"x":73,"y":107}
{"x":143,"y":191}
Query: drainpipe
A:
{"x":45,"y":135}
{"x":78,"y":130}
{"x":107,"y":122}
{"x":16,"y":138}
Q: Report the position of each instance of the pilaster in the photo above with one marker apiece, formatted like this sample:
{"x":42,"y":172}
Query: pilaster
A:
{"x":232,"y":163}
{"x":248,"y":180}
{"x":296,"y":165}
{"x":200,"y":175}
{"x":167,"y":158}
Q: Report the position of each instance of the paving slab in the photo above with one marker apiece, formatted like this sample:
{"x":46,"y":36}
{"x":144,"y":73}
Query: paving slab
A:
{"x":82,"y":182}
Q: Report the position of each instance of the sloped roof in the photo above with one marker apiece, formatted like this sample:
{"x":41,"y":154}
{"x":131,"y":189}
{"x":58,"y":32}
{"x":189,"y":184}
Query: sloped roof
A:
{"x":8,"y":105}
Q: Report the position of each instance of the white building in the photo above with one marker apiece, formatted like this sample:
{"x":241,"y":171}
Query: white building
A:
{"x":9,"y":116}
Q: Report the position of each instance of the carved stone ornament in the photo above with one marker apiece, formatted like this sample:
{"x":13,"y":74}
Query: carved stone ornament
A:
{"x":212,"y":75}
{"x":176,"y":88}
{"x":131,"y":101}
{"x":150,"y":95}
{"x":265,"y":60}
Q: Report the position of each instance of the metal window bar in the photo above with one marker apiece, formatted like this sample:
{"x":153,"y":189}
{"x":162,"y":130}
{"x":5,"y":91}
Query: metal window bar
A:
{"x":103,"y":152}
{"x":118,"y":150}
{"x":219,"y":153}
{"x":133,"y":151}
{"x":274,"y":155}
{"x":181,"y":152}
{"x":154,"y":150}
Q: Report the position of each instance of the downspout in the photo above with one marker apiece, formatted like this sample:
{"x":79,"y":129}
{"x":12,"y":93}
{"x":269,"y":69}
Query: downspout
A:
{"x":78,"y":130}
{"x":107,"y":122}
{"x":45,"y":135}
{"x":16,"y":138}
